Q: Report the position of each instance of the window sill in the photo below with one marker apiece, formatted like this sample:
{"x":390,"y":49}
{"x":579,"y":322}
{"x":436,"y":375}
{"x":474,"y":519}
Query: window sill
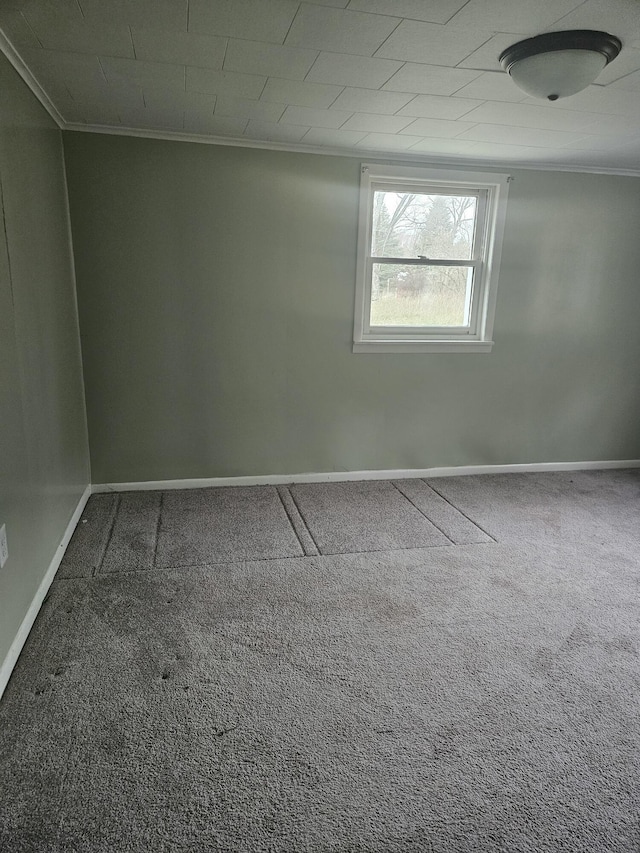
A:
{"x":423,"y":346}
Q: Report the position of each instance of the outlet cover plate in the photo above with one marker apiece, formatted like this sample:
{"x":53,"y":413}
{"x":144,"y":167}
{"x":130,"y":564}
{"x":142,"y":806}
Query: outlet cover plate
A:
{"x":4,"y":548}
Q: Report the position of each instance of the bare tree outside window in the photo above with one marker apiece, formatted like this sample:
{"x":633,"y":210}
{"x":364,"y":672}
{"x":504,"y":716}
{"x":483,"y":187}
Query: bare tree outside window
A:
{"x":427,"y":226}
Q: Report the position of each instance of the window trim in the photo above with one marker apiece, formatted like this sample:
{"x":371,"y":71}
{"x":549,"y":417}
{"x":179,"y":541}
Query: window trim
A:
{"x":486,"y":259}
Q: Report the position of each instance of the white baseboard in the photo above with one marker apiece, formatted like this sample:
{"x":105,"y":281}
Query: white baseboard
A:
{"x":30,"y":617}
{"x":343,"y":476}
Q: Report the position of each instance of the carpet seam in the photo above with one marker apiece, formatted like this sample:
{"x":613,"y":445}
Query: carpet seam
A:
{"x":294,"y":557}
{"x":430,"y":520}
{"x":273,"y":559}
{"x":457,"y":509}
{"x":155,"y":544}
{"x":391,"y":550}
{"x":293,"y":527}
{"x":200,"y":565}
{"x":306,"y":523}
{"x":98,"y":569}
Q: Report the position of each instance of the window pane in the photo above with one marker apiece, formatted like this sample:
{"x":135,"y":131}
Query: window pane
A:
{"x":408,"y":295}
{"x":407,"y":225}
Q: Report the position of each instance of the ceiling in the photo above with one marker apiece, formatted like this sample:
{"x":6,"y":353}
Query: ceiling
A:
{"x":410,"y":78}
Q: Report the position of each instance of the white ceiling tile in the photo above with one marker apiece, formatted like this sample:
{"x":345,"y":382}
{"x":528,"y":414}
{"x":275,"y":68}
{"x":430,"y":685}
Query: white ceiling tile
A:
{"x":629,"y":83}
{"x":139,"y":73}
{"x":92,"y":93}
{"x":179,"y":48}
{"x":492,"y":86}
{"x":17,"y":30}
{"x":376,"y":123}
{"x":627,"y":61}
{"x":339,"y":30}
{"x":486,"y":56}
{"x":619,"y":17}
{"x":608,"y":100}
{"x":388,"y":142}
{"x":371,"y":101}
{"x":345,"y":70}
{"x":622,"y":126}
{"x":516,"y":16}
{"x":432,"y":106}
{"x":337,"y":4}
{"x":529,"y":115}
{"x":275,"y":132}
{"x":434,"y":44}
{"x":172,"y":98}
{"x":69,"y":8}
{"x":314,"y":118}
{"x":257,"y":20}
{"x":76,"y":115}
{"x":435,"y":127}
{"x":224,"y":83}
{"x":495,"y":152}
{"x":68,"y":107}
{"x":272,"y":60}
{"x":444,"y":147}
{"x":202,"y":122}
{"x":195,"y":115}
{"x":59,"y":94}
{"x":152,"y":118}
{"x":160,"y":14}
{"x":429,"y":79}
{"x":73,"y":113}
{"x":520,"y":135}
{"x":435,"y":11}
{"x":333,"y":138}
{"x":603,"y":143}
{"x":108,"y":115}
{"x":300,"y":94}
{"x":229,"y":107}
{"x":78,"y":37}
{"x":51,"y":65}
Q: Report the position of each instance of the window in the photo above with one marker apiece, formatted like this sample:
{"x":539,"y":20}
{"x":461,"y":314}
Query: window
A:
{"x":429,"y":244}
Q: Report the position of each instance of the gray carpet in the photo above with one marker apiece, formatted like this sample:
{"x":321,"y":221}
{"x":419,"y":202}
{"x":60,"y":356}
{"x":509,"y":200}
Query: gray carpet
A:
{"x":472,"y":697}
{"x":86,"y":551}
{"x":217,"y":525}
{"x":134,"y":534}
{"x":364,"y":516}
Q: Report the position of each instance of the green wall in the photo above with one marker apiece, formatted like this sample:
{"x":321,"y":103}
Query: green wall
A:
{"x":43,"y":441}
{"x":216,"y":285}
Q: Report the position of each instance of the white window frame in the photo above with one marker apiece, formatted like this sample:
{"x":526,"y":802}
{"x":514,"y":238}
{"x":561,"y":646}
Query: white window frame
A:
{"x":490,"y":220}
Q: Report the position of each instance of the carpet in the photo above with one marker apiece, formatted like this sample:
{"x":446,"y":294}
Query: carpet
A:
{"x":473,"y":697}
{"x":216,"y":525}
{"x":88,"y":545}
{"x":363,"y":516}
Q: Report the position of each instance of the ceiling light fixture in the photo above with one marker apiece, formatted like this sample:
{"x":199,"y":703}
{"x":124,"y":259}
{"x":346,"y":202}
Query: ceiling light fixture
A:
{"x":556,"y":65}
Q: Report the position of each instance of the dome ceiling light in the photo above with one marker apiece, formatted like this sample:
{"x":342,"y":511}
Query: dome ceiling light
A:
{"x":556,"y":65}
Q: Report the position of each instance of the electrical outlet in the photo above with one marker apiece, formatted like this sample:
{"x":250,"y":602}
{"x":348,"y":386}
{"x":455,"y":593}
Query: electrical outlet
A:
{"x":4,"y":548}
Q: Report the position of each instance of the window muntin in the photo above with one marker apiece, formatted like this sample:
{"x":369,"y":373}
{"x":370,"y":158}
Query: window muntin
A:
{"x":428,"y":253}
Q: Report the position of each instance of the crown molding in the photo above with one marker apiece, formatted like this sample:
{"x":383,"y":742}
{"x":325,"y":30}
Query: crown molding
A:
{"x":24,"y":71}
{"x":299,"y":148}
